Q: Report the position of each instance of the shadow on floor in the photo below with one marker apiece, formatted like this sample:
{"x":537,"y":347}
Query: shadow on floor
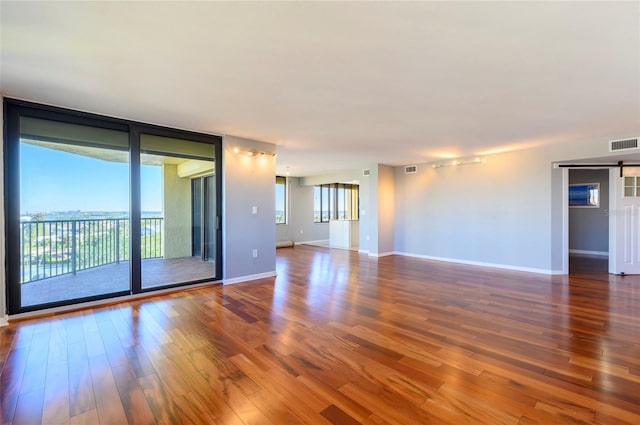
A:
{"x":581,"y":264}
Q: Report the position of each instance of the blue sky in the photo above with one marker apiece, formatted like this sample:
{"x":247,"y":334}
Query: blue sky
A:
{"x":52,"y":180}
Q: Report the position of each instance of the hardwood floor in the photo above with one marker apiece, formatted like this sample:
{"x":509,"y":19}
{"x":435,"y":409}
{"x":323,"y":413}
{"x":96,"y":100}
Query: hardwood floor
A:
{"x":340,"y":338}
{"x":588,"y":264}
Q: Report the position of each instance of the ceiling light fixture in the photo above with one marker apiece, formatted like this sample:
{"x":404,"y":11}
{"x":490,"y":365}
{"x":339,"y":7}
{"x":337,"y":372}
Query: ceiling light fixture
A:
{"x":252,"y":152}
{"x":459,"y":161}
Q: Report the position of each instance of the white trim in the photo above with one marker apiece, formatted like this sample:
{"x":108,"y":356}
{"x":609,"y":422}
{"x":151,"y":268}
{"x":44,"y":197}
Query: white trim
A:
{"x":363,"y":251}
{"x":4,"y":321}
{"x":587,"y":252}
{"x":109,"y":301}
{"x":382,"y":254}
{"x":249,"y":277}
{"x":285,"y":244}
{"x":480,"y":263}
{"x":319,"y":241}
{"x":613,"y":224}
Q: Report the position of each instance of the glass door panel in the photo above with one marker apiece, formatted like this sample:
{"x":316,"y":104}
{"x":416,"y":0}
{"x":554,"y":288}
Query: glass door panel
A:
{"x":176,"y":214}
{"x":208,"y":220}
{"x":74,"y":212}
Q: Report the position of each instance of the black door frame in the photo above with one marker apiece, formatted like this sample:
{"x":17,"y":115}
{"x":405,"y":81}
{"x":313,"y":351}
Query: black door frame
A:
{"x":13,"y":110}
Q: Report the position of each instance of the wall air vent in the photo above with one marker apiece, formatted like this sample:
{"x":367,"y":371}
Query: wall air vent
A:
{"x":410,"y":169}
{"x":366,"y":172}
{"x":623,"y":145}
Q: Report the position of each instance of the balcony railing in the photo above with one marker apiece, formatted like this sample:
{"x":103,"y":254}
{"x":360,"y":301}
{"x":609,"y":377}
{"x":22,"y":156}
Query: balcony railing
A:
{"x":55,"y":247}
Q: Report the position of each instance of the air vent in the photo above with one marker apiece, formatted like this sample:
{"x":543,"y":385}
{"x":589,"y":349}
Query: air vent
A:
{"x":410,"y":169}
{"x":366,"y":172}
{"x":621,"y":145}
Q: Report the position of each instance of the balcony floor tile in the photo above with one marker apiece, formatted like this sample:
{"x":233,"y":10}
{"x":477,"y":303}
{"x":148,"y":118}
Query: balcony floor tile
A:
{"x":114,"y":278}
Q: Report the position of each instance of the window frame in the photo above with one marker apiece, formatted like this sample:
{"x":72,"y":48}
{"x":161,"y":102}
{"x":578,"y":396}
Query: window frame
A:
{"x":284,"y":181}
{"x":14,"y":110}
{"x":350,"y":194}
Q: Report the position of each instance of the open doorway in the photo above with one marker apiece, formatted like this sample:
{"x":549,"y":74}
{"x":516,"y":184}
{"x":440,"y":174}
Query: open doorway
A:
{"x":588,"y":221}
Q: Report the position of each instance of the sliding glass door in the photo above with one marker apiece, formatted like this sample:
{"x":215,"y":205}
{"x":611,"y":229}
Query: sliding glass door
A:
{"x":98,"y":207}
{"x":74,"y":211}
{"x":170,"y":228}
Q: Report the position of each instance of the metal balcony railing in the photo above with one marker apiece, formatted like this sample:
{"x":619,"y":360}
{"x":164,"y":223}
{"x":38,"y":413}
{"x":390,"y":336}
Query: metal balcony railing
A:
{"x":55,"y":247}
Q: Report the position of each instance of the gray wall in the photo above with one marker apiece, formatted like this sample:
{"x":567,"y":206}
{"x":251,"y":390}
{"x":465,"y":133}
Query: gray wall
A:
{"x":490,"y":213}
{"x":300,"y":226}
{"x":589,"y":227}
{"x":559,"y":220}
{"x":506,"y":212}
{"x":248,"y":181}
{"x":364,"y":183}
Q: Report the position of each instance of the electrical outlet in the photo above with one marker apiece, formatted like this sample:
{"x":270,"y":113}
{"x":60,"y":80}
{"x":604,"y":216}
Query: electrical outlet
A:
{"x":255,"y":253}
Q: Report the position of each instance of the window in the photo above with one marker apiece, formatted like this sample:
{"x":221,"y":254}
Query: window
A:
{"x":336,"y":201}
{"x":281,"y":200}
{"x":631,"y":187}
{"x":101,"y":207}
{"x":325,"y":207}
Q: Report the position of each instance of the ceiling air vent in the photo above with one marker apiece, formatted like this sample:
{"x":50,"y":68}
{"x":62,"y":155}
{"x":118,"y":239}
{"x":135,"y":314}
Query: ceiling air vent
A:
{"x":366,"y":172}
{"x":621,"y":145}
{"x":410,"y":169}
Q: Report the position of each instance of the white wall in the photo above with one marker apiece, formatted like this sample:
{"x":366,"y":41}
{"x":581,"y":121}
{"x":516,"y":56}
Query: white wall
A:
{"x":248,"y":181}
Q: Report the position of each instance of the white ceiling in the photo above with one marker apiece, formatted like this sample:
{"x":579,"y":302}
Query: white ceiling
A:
{"x":339,"y":85}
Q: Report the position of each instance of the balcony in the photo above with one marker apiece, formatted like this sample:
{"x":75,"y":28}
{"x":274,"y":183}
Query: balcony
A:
{"x":70,"y":259}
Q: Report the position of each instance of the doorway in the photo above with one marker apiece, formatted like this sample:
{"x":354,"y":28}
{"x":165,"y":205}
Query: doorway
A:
{"x":588,"y":221}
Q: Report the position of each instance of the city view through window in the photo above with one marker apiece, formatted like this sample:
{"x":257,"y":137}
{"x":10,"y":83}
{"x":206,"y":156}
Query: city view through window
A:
{"x":74,"y":210}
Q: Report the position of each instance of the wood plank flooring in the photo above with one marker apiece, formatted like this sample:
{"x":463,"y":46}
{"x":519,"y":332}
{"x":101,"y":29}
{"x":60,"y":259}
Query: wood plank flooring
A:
{"x":340,"y":338}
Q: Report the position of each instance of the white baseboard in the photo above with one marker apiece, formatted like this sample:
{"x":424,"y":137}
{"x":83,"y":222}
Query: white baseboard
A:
{"x":363,"y":251}
{"x":285,"y":244}
{"x":481,"y":263}
{"x":4,"y":321}
{"x":587,"y":252}
{"x":319,"y":241}
{"x":249,"y":278}
{"x":383,"y":254}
